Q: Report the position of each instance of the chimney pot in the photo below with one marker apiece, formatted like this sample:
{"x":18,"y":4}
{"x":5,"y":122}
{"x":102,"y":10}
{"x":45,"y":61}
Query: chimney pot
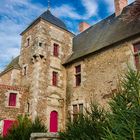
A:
{"x":119,"y":5}
{"x":83,"y":26}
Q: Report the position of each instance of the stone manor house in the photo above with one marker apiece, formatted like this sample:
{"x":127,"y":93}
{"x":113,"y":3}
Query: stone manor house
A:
{"x":58,"y":74}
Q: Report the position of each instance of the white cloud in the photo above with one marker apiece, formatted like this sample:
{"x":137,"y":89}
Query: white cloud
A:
{"x":15,"y":15}
{"x":91,"y":7}
{"x":66,"y":11}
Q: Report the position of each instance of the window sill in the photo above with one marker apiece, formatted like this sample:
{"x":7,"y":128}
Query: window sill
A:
{"x":12,"y":107}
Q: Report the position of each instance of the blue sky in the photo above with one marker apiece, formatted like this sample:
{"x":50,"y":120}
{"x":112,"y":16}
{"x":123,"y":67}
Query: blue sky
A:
{"x":16,"y":15}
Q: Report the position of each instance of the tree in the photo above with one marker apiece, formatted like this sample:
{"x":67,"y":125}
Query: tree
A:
{"x":87,"y":127}
{"x":121,"y":123}
{"x":124,"y":119}
{"x":23,"y":128}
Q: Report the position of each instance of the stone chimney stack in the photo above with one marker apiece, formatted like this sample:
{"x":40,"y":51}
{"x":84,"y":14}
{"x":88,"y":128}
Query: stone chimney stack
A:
{"x":83,"y":26}
{"x":119,"y":5}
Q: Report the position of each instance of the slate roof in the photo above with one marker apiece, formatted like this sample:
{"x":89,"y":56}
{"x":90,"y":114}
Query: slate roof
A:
{"x":14,"y":64}
{"x":47,"y":15}
{"x":103,"y":34}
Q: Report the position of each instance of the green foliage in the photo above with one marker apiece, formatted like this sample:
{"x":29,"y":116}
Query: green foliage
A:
{"x":23,"y":129}
{"x":124,"y":121}
{"x":86,"y":127}
{"x":121,"y":123}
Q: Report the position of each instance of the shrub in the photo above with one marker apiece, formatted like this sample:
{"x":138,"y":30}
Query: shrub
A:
{"x":124,"y":120}
{"x":23,"y":129}
{"x":86,"y":127}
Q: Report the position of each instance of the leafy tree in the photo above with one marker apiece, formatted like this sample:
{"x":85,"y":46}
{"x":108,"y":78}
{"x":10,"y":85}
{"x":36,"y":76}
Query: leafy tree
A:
{"x":23,"y":129}
{"x":86,"y":127}
{"x":124,"y":119}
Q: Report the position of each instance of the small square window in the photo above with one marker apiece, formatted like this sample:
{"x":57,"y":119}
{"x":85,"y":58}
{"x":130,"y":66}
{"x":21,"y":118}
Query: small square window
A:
{"x":78,"y":69}
{"x":40,"y":44}
{"x":54,"y":78}
{"x":12,"y":99}
{"x":56,"y":50}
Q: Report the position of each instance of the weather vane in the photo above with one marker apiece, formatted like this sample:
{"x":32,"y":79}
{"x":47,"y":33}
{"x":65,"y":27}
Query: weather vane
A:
{"x":48,"y":4}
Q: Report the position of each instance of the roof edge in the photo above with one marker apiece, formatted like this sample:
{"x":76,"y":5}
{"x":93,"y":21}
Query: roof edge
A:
{"x":5,"y":71}
{"x":37,"y":21}
{"x":99,"y":50}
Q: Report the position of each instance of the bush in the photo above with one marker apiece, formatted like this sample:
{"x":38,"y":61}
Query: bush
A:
{"x":86,"y":127}
{"x":124,"y":120}
{"x":121,"y":123}
{"x":23,"y":129}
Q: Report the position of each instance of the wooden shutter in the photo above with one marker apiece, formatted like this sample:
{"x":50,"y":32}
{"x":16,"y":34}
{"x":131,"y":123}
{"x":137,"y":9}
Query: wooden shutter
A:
{"x":56,"y":50}
{"x":12,"y":99}
{"x":54,"y":79}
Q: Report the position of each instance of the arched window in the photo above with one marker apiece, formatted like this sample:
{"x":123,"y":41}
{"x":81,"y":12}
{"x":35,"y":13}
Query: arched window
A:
{"x":53,"y":121}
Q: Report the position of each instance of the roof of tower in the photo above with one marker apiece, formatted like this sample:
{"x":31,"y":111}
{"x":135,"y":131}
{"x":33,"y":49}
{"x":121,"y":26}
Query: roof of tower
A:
{"x":48,"y":16}
{"x":14,"y":64}
{"x":106,"y":33}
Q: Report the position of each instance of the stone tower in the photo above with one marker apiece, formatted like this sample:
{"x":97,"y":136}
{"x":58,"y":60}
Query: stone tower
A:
{"x":46,"y":44}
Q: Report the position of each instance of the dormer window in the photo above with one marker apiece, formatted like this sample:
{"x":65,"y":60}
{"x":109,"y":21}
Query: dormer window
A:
{"x":55,"y":50}
{"x":137,"y":55}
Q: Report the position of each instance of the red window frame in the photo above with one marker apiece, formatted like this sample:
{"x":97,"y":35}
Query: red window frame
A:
{"x":12,"y":99}
{"x":54,"y":78}
{"x":136,"y":48}
{"x":78,"y":75}
{"x":55,"y":50}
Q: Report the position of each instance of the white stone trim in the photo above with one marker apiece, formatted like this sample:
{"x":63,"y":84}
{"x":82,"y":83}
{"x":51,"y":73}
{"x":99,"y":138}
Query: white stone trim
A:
{"x":7,"y":94}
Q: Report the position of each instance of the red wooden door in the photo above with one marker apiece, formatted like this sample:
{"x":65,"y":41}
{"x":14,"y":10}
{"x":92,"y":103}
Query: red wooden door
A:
{"x":7,"y":125}
{"x":53,"y":121}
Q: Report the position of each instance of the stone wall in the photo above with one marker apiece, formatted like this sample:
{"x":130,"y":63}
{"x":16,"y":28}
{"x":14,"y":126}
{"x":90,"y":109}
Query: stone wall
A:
{"x":11,"y":77}
{"x":101,"y":73}
{"x":9,"y":112}
{"x":44,"y":97}
{"x":44,"y":136}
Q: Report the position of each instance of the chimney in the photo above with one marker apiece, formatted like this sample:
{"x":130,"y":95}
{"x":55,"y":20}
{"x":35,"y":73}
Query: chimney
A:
{"x":83,"y":26}
{"x":119,"y":5}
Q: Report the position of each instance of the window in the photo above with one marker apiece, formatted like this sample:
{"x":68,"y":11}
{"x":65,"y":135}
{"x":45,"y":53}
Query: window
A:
{"x":137,"y":55}
{"x":12,"y":99}
{"x":25,"y":70}
{"x":75,"y":112}
{"x":28,"y":42}
{"x":77,"y":109}
{"x":81,"y":108}
{"x":40,"y":44}
{"x":54,"y":78}
{"x":78,"y":75}
{"x":55,"y":49}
